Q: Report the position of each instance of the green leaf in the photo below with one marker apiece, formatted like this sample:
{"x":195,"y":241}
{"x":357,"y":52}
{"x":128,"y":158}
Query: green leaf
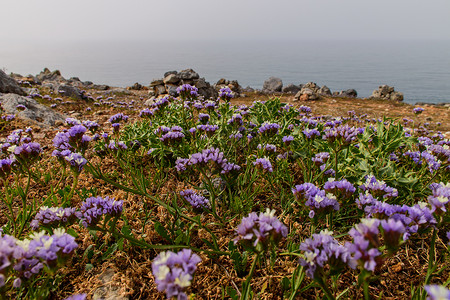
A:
{"x":111,"y":249}
{"x":159,"y":228}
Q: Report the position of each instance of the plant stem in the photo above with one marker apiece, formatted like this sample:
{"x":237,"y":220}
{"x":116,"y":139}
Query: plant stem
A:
{"x":246,"y":286}
{"x":431,"y":256}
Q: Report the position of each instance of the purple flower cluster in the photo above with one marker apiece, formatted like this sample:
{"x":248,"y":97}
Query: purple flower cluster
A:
{"x":316,"y":199}
{"x":269,"y":129}
{"x":260,"y":231}
{"x":236,"y":119}
{"x":287,"y":140}
{"x":174,"y":272}
{"x":226,"y":94}
{"x":197,"y":201}
{"x":342,"y":188}
{"x":311,"y":133}
{"x":321,"y":250}
{"x":412,"y":217}
{"x":6,"y":166}
{"x":72,"y":139}
{"x":186,"y":91}
{"x":207,"y":156}
{"x":146,"y":113}
{"x":76,"y":161}
{"x":53,"y":217}
{"x":93,"y":208}
{"x":117,"y":118}
{"x":440,"y":198}
{"x":263,"y":163}
{"x":209,"y":129}
{"x":320,"y":158}
{"x":365,"y":244}
{"x":203,"y":118}
{"x":418,"y":110}
{"x":345,"y":133}
{"x":26,"y":258}
{"x":174,"y":135}
{"x":77,"y":297}
{"x":378,"y":188}
{"x":27,"y":153}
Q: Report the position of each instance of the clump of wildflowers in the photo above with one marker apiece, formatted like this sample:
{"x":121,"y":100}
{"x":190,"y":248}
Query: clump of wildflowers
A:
{"x":197,"y":201}
{"x":418,"y":110}
{"x":173,"y":272}
{"x":258,"y":232}
{"x":440,"y":198}
{"x":212,"y":157}
{"x":269,"y":129}
{"x":187,"y":91}
{"x":53,"y":217}
{"x":226,"y":94}
{"x":321,"y":250}
{"x":93,"y":208}
{"x":316,"y":199}
{"x":342,"y":188}
{"x":263,"y":163}
{"x":320,"y":158}
{"x":378,"y":188}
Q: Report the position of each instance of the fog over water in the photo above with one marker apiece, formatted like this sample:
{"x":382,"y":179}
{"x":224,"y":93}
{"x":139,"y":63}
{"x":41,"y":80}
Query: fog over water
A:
{"x":419,"y":69}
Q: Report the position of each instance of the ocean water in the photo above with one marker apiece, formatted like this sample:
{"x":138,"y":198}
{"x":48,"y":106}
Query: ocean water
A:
{"x":419,"y":69}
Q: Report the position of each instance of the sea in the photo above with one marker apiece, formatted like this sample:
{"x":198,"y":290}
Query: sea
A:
{"x":418,"y":68}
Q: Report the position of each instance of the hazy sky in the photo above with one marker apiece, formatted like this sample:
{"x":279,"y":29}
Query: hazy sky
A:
{"x":58,"y":20}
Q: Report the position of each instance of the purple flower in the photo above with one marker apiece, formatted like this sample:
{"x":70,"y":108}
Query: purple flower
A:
{"x":93,"y":208}
{"x":344,"y":133}
{"x":287,"y":139}
{"x":172,"y":137}
{"x":269,"y":129}
{"x":53,"y":217}
{"x":211,"y":157}
{"x":418,"y":110}
{"x":6,"y":166}
{"x":378,"y":188}
{"x":342,"y":188}
{"x":393,"y":231}
{"x":226,"y":94}
{"x":173,"y":272}
{"x":197,"y":201}
{"x":260,"y":231}
{"x":203,"y":117}
{"x":321,"y":203}
{"x":186,"y":91}
{"x":440,"y":198}
{"x":311,"y":133}
{"x":263,"y":163}
{"x":117,"y":118}
{"x":320,"y":158}
{"x":27,"y":153}
{"x":437,"y":292}
{"x":21,"y":107}
{"x":324,"y":250}
{"x":236,"y":119}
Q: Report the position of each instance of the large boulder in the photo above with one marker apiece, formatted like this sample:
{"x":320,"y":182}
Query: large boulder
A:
{"x":9,"y":85}
{"x":188,"y":74}
{"x":291,"y":89}
{"x":70,"y":91}
{"x":171,"y":79}
{"x":273,"y":84}
{"x":47,"y":75}
{"x":34,"y":111}
{"x":386,"y":92}
{"x":324,"y":91}
{"x":350,"y":93}
{"x":233,"y":85}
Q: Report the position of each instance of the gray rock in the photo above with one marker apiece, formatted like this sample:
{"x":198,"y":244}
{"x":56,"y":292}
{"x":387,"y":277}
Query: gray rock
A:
{"x":9,"y":85}
{"x":172,"y":90}
{"x":69,"y":91}
{"x":151,"y":92}
{"x":273,"y":84}
{"x":109,"y":290}
{"x":156,"y":82}
{"x":159,"y":89}
{"x":87,"y":83}
{"x":248,"y":89}
{"x":171,"y":79}
{"x":188,"y":74}
{"x":397,"y":96}
{"x":325,"y":91}
{"x":34,"y":111}
{"x":385,"y":90}
{"x":47,"y":75}
{"x":200,"y":83}
{"x":137,"y":86}
{"x":307,"y":91}
{"x":350,"y":93}
{"x":312,"y":86}
{"x":170,"y":72}
{"x":101,"y":87}
{"x":291,"y":89}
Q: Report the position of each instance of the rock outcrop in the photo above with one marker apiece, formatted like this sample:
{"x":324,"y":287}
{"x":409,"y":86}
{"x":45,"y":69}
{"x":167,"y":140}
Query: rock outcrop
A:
{"x":172,"y":79}
{"x":386,"y":92}
{"x":233,"y":85}
{"x":350,"y":93}
{"x":311,"y":91}
{"x":34,"y":111}
{"x":9,"y":85}
{"x":272,"y":85}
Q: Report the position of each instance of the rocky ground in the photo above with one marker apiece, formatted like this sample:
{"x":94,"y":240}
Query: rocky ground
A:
{"x":127,"y":274}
